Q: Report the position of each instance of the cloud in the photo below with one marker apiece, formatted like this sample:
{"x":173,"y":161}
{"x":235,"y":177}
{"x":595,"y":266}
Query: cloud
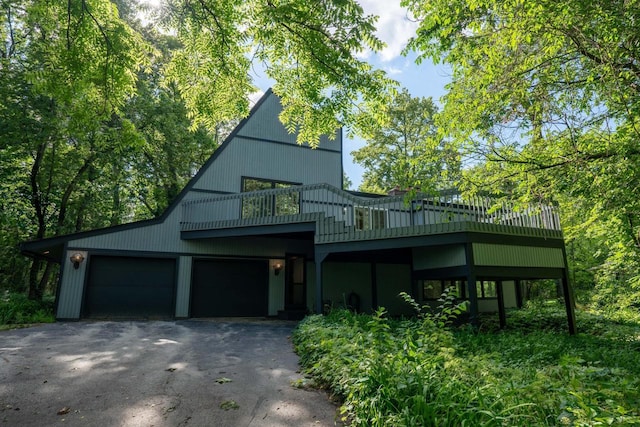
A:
{"x":393,"y":70}
{"x":394,"y":27}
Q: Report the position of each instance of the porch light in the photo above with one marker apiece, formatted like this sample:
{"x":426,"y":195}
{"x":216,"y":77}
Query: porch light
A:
{"x":76,"y":259}
{"x":276,"y":268}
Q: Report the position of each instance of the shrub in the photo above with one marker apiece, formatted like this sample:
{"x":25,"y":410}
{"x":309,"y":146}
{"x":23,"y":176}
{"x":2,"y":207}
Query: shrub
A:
{"x":419,"y":372}
{"x":16,"y":308}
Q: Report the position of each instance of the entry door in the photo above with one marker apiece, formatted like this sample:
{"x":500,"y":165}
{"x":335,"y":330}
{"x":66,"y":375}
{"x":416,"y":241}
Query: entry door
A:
{"x":295,"y":286}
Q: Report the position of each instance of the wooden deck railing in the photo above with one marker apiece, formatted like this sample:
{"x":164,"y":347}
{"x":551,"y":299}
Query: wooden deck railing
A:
{"x":343,"y":216}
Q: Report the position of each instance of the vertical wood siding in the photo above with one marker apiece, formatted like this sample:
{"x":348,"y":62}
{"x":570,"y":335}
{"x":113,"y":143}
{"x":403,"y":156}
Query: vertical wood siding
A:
{"x":72,"y":287}
{"x":183,"y":287}
{"x":391,"y":280}
{"x":448,"y":256}
{"x":276,"y":287}
{"x":340,"y":279}
{"x":517,"y":256}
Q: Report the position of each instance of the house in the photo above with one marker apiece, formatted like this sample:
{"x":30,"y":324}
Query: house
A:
{"x":265,"y":229}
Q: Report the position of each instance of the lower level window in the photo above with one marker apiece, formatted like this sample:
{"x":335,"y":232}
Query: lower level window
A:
{"x":433,"y":289}
{"x":486,"y":289}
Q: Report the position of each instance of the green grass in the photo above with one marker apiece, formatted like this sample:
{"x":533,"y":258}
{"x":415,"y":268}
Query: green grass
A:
{"x":16,"y":310}
{"x":418,"y":373}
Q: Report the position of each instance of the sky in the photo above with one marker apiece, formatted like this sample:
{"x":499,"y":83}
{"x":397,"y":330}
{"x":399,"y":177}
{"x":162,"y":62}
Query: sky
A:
{"x":395,"y":29}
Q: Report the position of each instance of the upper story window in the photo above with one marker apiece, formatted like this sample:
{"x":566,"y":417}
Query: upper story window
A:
{"x":286,"y":203}
{"x":369,"y":218}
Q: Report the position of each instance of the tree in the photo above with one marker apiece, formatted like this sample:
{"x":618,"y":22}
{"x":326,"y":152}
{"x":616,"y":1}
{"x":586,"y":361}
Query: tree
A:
{"x":83,"y":145}
{"x":171,"y":153}
{"x":65,"y":70}
{"x":309,"y":48}
{"x":407,"y":151}
{"x":545,"y":94}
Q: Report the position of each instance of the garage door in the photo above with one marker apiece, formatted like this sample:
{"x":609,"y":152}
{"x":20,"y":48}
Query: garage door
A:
{"x":130,"y":287}
{"x":229,"y":288}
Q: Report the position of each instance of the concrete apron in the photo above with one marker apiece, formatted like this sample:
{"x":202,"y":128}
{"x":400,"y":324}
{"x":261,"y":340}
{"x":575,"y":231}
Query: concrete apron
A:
{"x":196,"y":372}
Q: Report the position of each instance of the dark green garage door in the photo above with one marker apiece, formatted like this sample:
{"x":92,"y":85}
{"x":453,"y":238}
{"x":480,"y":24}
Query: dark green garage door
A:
{"x":130,"y":287}
{"x":229,"y":288}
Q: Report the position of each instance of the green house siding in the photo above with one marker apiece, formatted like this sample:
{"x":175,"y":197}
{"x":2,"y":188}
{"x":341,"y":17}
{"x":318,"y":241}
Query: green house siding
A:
{"x":425,"y":258}
{"x":517,"y":256}
{"x":183,"y":288}
{"x":71,"y":289}
{"x":390,"y":281}
{"x":341,"y":279}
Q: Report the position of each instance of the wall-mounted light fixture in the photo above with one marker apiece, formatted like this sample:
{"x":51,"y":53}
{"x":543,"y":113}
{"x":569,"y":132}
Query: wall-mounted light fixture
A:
{"x":76,"y":259}
{"x":277,"y":267}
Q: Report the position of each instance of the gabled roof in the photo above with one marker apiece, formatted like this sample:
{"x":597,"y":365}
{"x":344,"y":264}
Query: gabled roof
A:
{"x":53,"y":246}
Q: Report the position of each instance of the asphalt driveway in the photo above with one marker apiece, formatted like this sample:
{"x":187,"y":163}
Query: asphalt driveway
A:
{"x":183,"y":373}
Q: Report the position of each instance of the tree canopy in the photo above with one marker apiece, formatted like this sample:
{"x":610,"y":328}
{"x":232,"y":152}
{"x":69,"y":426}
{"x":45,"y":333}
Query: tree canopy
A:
{"x":544,"y":95}
{"x":407,"y":151}
{"x":309,"y":48}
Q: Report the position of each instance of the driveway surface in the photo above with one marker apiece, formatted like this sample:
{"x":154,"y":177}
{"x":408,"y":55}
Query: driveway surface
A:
{"x":182,"y":373}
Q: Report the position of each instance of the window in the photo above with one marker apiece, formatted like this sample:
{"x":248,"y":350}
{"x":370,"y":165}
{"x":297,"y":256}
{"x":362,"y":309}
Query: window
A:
{"x":486,"y":289}
{"x":433,"y":289}
{"x":369,"y":218}
{"x":269,"y":205}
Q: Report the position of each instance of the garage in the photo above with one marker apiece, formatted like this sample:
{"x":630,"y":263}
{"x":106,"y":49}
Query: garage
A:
{"x":229,"y":287}
{"x":123,"y":287}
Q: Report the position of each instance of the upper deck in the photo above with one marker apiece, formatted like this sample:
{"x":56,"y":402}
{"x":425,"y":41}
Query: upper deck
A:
{"x":339,"y":216}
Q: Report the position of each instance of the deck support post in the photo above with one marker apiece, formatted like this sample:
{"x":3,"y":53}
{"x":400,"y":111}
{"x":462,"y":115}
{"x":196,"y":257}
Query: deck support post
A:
{"x":501,"y":313}
{"x":518,"y":284}
{"x":374,"y":286}
{"x":472,"y":289}
{"x":319,"y":259}
{"x":569,"y":302}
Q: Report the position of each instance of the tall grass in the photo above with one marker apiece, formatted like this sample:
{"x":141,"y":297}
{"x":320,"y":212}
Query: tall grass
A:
{"x":17,"y":309}
{"x":420,"y":373}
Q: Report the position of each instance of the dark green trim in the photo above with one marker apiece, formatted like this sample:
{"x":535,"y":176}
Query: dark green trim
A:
{"x":442,"y":239}
{"x":446,"y":273}
{"x":273,"y":141}
{"x":202,"y":190}
{"x":258,"y":230}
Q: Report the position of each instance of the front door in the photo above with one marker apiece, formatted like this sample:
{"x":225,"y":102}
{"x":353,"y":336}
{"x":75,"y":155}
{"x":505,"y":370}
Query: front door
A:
{"x":295,"y":286}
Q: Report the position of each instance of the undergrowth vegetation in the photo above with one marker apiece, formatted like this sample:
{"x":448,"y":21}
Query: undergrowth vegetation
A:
{"x":420,"y":372}
{"x":17,"y":309}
